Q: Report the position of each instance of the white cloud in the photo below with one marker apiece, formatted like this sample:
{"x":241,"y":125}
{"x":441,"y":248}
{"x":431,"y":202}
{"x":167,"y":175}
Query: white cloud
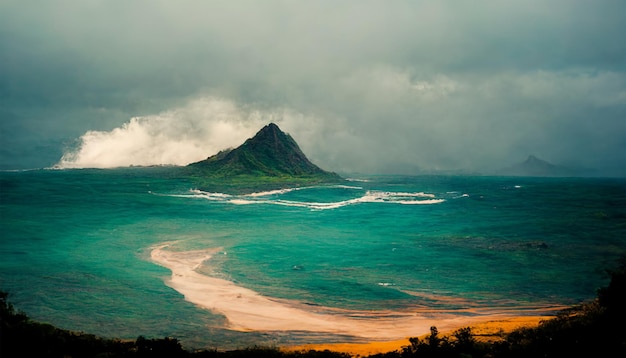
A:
{"x":435,"y":85}
{"x":392,"y":119}
{"x":176,"y":137}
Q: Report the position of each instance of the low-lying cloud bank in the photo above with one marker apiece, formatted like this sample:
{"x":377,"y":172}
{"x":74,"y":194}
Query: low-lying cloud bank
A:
{"x":392,"y":120}
{"x":404,"y":87}
{"x":175,"y":137}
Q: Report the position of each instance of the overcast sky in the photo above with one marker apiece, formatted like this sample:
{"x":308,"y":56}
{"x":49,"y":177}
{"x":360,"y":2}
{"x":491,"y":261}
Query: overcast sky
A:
{"x":362,"y":86}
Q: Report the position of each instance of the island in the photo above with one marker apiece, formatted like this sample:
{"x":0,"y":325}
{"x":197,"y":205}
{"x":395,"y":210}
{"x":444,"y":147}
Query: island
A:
{"x":535,"y":167}
{"x":270,"y":160}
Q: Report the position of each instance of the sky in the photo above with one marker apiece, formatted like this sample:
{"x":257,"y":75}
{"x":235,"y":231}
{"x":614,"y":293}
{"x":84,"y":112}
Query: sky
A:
{"x":379,"y":87}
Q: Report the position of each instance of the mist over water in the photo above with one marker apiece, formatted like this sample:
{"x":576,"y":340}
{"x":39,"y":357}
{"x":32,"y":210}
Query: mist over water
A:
{"x":368,"y":143}
{"x":179,"y":136}
{"x":76,"y":244}
{"x":403,"y":88}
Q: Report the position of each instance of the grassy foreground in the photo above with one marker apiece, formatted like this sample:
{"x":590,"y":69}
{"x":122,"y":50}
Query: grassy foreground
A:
{"x":593,"y":329}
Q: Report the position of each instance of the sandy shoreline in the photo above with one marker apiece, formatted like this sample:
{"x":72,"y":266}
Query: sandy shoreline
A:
{"x":247,"y":310}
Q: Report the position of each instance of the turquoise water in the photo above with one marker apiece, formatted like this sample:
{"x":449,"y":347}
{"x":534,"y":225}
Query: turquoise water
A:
{"x":75,"y":246}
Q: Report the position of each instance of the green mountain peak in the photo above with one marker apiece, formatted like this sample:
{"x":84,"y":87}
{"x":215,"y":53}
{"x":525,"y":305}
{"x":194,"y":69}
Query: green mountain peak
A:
{"x":271,"y":156}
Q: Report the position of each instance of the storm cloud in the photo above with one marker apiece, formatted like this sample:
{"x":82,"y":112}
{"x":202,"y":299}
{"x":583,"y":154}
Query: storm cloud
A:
{"x":363,"y":86}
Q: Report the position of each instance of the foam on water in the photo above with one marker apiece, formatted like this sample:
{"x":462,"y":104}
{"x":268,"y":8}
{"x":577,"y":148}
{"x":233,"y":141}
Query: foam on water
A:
{"x":75,"y":251}
{"x":273,"y":192}
{"x":243,"y":201}
{"x":273,"y":197}
{"x":288,"y":190}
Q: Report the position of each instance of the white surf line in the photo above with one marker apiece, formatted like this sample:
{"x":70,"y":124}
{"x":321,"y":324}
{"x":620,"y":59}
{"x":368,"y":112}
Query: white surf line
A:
{"x":371,"y":196}
{"x":275,"y":192}
{"x":247,"y":310}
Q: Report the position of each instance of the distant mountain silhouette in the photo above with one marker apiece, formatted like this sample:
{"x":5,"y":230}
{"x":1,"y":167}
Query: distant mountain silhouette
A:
{"x":270,"y":153}
{"x":534,"y":166}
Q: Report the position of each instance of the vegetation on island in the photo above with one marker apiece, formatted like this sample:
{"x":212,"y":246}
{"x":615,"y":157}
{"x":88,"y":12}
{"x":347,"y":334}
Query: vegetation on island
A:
{"x":269,"y":160}
{"x":593,"y":329}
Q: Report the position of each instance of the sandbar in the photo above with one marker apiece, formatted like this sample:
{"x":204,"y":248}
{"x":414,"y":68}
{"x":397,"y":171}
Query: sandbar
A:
{"x":247,"y":310}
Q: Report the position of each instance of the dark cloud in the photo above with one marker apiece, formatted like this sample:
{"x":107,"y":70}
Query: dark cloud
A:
{"x":362,"y":85}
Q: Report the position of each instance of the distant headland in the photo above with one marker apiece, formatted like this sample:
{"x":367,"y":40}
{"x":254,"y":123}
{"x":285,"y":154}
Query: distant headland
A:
{"x":536,"y":167}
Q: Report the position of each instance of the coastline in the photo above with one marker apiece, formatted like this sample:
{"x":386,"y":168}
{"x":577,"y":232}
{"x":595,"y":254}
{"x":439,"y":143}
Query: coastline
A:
{"x":246,"y":310}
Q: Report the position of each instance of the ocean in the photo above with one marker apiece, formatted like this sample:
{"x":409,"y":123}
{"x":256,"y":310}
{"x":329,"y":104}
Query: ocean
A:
{"x":80,"y":249}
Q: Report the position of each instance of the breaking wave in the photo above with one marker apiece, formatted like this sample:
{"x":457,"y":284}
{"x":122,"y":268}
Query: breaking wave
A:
{"x":275,"y":197}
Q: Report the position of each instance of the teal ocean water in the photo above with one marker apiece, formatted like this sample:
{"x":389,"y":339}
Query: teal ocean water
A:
{"x":75,"y":247}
